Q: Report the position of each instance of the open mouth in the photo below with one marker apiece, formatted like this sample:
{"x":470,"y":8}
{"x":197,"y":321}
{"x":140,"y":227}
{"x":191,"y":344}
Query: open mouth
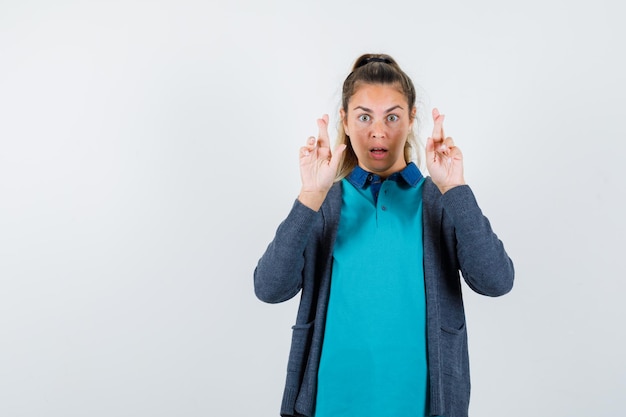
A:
{"x":378,"y":152}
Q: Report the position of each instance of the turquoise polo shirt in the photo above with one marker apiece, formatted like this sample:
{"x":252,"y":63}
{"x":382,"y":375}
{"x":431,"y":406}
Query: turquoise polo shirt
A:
{"x":374,"y":361}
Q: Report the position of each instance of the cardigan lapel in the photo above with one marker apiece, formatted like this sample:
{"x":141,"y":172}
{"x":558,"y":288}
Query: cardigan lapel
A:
{"x":432,"y":219}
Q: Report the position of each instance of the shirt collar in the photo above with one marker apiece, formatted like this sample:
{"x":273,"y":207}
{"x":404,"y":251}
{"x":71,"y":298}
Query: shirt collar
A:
{"x":410,"y":175}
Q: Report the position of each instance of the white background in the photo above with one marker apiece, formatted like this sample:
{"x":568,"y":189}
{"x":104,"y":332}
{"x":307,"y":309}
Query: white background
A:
{"x":148,"y":151}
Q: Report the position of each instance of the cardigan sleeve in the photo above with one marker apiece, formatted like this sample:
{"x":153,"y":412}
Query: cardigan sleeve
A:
{"x":483,"y":261}
{"x":278,"y":274}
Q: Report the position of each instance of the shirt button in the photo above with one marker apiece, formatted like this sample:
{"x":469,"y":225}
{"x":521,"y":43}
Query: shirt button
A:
{"x":384,"y":208}
{"x":369,"y":177}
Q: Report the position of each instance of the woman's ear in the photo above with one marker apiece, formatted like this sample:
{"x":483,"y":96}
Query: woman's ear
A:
{"x":413,"y":115}
{"x":342,"y":114}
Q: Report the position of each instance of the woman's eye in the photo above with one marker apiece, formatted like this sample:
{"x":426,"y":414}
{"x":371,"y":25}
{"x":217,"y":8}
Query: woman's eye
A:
{"x":364,"y":118}
{"x":392,"y":118}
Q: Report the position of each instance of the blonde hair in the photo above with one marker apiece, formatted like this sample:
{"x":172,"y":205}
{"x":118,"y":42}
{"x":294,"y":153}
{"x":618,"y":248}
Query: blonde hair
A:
{"x":375,"y":69}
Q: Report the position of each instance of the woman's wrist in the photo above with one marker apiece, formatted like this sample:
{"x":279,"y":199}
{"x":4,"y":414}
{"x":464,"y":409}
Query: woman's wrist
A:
{"x":446,"y":188}
{"x":312,"y":199}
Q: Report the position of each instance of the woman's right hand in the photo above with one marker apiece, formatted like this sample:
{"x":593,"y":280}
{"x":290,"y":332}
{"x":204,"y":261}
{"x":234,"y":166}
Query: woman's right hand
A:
{"x":318,"y":166}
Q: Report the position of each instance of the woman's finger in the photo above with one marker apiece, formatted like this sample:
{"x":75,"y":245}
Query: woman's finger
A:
{"x":311,"y":143}
{"x":446,"y":144}
{"x":322,"y":136}
{"x":438,"y":119}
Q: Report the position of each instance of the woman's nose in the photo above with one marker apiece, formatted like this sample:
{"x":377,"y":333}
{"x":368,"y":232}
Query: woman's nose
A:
{"x":378,"y":130}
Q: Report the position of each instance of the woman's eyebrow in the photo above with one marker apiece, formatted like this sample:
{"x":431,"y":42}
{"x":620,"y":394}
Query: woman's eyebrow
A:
{"x":365,"y":109}
{"x":394,"y":107}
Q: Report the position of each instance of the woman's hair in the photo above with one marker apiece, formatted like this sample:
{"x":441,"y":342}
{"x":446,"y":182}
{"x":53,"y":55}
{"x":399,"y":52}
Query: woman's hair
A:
{"x":375,"y":69}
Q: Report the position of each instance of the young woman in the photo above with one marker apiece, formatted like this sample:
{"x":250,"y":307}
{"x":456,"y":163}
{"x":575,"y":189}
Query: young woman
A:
{"x":376,"y":251}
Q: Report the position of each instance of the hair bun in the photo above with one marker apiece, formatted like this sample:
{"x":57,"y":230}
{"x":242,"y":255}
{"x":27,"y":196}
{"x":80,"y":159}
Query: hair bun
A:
{"x":369,"y":58}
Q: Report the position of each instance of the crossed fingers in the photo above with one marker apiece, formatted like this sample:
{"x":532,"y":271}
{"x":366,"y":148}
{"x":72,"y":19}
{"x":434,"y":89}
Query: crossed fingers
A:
{"x":322,"y":140}
{"x":442,"y":145}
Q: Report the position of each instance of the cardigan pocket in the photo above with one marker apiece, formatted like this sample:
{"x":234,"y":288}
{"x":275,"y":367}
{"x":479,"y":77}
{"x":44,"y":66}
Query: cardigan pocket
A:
{"x":452,"y":347}
{"x":300,"y":346}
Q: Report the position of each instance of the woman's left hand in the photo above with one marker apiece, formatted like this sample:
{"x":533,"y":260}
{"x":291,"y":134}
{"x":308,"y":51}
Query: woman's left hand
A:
{"x":443,"y":159}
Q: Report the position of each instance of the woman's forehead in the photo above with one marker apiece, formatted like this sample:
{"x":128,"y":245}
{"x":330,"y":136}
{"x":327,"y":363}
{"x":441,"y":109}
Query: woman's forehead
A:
{"x":378,"y":95}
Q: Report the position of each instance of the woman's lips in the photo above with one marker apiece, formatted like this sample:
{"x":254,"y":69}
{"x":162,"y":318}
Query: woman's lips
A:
{"x":378,"y":153}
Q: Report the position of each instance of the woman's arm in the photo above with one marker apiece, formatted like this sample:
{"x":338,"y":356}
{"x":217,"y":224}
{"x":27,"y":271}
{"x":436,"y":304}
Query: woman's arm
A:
{"x":483,"y":261}
{"x":278,"y":275}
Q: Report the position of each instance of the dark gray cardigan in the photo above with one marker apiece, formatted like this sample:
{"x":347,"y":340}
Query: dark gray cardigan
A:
{"x":457,"y":237}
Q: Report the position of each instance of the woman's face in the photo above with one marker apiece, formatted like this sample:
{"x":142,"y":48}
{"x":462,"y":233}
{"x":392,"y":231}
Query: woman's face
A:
{"x":378,"y":121}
